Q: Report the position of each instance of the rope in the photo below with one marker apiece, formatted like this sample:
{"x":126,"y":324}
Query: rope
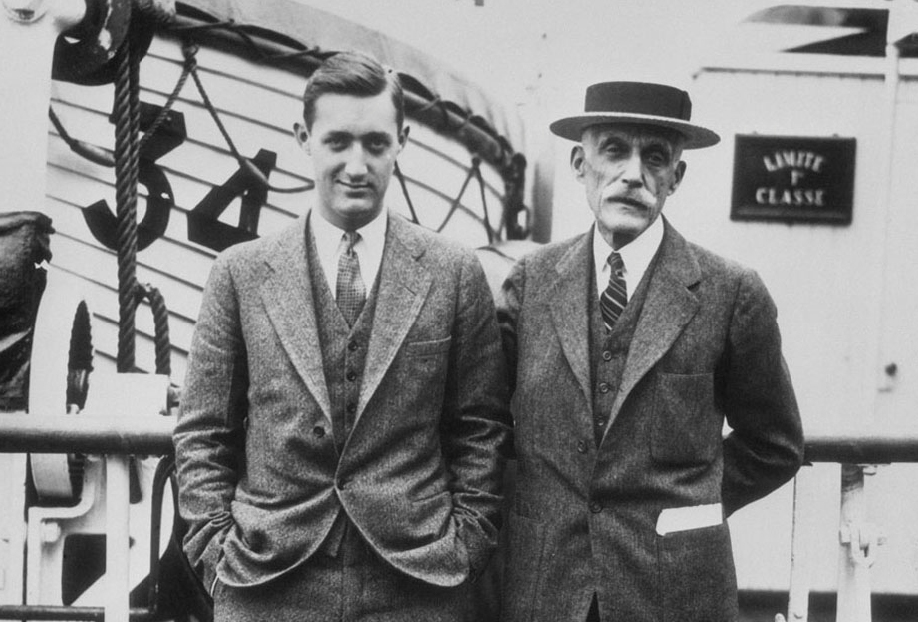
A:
{"x":239,"y":30}
{"x":97,"y":155}
{"x":127,"y":121}
{"x":458,"y":199}
{"x":104,"y":157}
{"x":127,"y":173}
{"x":401,"y":182}
{"x":189,"y":51}
{"x":161,"y":342}
{"x":170,"y":101}
{"x":484,"y":201}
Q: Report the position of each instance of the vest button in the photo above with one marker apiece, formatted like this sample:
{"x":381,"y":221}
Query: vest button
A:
{"x":318,"y":431}
{"x":353,"y":345}
{"x":351,"y":408}
{"x":351,"y":376}
{"x":595,"y":508}
{"x":600,"y":422}
{"x":582,"y":447}
{"x":607,"y":355}
{"x":604,"y":387}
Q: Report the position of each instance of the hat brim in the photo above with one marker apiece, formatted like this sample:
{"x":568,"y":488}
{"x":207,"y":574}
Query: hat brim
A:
{"x":696,"y":137}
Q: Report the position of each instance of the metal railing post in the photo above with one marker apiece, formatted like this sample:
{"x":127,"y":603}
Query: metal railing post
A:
{"x":118,"y":523}
{"x":802,"y":531}
{"x":857,"y":547}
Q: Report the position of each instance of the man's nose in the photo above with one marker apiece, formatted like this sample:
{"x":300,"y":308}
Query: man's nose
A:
{"x":355,"y":164}
{"x":633,"y":171}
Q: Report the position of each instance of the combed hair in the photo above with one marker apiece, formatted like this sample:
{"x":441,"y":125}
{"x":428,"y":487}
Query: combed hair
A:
{"x":356,"y":74}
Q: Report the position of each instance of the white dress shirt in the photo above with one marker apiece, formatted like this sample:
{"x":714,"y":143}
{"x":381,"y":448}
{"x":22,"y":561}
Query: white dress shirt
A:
{"x":369,"y":249}
{"x":636,"y":255}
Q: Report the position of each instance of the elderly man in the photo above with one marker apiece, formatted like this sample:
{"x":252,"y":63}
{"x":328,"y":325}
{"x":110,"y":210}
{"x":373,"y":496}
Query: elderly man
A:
{"x":345,"y":412}
{"x":630,"y":348}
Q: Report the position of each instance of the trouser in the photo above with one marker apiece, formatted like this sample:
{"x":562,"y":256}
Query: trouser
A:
{"x":356,"y":585}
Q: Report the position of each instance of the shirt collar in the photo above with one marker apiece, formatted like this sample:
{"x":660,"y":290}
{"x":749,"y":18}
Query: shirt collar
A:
{"x":328,"y":236}
{"x":640,"y":251}
{"x":636,"y":255}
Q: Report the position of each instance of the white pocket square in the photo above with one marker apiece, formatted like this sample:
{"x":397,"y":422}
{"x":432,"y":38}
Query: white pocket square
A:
{"x":692,"y":517}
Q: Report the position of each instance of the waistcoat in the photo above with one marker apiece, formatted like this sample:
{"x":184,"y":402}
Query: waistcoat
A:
{"x":344,"y":351}
{"x":609,"y":352}
{"x":344,"y":348}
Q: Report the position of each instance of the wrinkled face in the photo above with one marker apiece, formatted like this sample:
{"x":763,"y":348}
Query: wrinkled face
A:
{"x":628,"y":171}
{"x":353,"y":143}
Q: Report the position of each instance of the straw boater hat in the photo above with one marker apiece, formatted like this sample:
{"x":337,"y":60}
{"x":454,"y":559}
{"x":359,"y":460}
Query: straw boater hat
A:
{"x":637,"y":102}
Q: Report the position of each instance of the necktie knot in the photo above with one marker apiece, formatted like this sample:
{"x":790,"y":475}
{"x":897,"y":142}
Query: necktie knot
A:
{"x":616,"y":263}
{"x":350,"y":240}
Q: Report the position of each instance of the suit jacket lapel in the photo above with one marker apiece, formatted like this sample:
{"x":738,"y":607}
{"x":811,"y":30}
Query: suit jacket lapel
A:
{"x":403,"y":287}
{"x":288,"y":301}
{"x":570,"y":303}
{"x":669,"y":306}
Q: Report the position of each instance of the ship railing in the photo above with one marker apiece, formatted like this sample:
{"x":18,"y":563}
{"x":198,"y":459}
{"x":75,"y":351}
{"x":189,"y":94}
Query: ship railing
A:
{"x":116,"y":439}
{"x":859,"y":452}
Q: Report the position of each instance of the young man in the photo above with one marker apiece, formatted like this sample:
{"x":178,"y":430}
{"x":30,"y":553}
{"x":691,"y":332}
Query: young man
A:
{"x":630,"y":348}
{"x":345,"y":410}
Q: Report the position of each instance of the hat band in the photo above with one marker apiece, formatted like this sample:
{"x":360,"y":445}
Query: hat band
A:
{"x":644,"y":101}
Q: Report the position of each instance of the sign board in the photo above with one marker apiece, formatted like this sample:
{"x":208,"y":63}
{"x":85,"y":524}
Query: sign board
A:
{"x":793,"y":179}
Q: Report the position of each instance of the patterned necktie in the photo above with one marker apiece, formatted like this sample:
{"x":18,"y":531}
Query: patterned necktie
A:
{"x":613,"y":300}
{"x":350,"y":292}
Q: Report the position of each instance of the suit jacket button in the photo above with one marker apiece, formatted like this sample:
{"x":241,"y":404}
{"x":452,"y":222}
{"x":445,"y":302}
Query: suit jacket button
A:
{"x":353,"y":345}
{"x":604,"y":387}
{"x":595,"y":508}
{"x":607,"y":355}
{"x":351,"y":375}
{"x":582,"y":447}
{"x":351,"y":408}
{"x":319,"y":431}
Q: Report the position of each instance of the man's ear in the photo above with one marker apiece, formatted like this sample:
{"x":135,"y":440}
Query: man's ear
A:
{"x":302,"y":136}
{"x":678,"y":176}
{"x":403,"y":137}
{"x":577,"y":158}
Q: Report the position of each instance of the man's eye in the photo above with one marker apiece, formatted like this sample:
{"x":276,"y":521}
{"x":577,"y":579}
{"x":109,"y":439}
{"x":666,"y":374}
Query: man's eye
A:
{"x":657,"y":159}
{"x":336,"y":142}
{"x":377,"y":145}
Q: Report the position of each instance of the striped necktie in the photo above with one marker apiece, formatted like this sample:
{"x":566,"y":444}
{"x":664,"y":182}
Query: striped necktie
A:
{"x":350,"y":292}
{"x":613,"y":300}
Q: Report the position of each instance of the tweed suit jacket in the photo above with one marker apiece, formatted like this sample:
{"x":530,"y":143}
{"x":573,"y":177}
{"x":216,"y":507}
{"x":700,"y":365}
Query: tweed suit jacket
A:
{"x":706,"y":349}
{"x":260,"y":479}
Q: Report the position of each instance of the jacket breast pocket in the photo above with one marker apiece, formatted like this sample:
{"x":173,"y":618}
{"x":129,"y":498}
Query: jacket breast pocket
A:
{"x":421,"y":368}
{"x":428,"y":348}
{"x":686,"y":427}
